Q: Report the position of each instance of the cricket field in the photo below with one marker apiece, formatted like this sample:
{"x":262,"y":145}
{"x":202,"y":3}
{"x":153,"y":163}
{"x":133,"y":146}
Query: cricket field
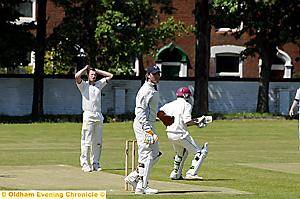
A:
{"x":246,"y":159}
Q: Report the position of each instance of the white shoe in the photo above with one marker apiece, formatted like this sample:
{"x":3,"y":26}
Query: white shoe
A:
{"x":175,"y":176}
{"x":192,"y":177}
{"x":140,"y":190}
{"x":97,"y":167}
{"x":139,"y":187}
{"x":86,"y":168}
{"x":148,"y":190}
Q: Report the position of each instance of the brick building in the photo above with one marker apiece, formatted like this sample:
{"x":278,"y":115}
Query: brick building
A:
{"x":178,"y":58}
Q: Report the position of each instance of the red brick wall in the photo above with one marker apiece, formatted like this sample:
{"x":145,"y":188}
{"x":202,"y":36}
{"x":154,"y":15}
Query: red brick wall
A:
{"x":54,"y":16}
{"x":184,"y":13}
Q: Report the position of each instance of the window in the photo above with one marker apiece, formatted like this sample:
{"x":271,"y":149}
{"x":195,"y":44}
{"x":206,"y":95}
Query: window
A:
{"x":227,"y":63}
{"x":28,"y":10}
{"x":278,"y":64}
{"x":170,"y":69}
{"x":172,"y":60}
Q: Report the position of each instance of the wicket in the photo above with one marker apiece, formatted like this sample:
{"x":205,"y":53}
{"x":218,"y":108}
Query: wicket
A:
{"x":133,"y":160}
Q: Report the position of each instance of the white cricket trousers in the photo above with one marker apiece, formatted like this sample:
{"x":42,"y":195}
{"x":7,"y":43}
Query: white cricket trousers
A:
{"x":91,"y":142}
{"x":148,"y":154}
{"x":179,"y":145}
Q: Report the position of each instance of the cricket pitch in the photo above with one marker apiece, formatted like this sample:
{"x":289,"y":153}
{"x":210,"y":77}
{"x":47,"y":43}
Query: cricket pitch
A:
{"x":64,"y":177}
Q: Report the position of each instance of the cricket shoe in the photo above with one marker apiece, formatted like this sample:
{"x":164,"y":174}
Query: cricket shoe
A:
{"x":86,"y":168}
{"x":147,"y":190}
{"x":175,"y":176}
{"x":189,"y":176}
{"x":132,"y":179}
{"x":96,"y":167}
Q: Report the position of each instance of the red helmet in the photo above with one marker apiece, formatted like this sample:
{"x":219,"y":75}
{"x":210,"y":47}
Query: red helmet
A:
{"x":183,"y":92}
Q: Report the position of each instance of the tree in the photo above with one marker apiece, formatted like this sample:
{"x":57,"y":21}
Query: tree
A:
{"x":124,"y":36}
{"x":118,"y":31}
{"x":15,"y":39}
{"x":38,"y":80}
{"x":202,"y":32}
{"x":269,"y":24}
{"x":76,"y":33}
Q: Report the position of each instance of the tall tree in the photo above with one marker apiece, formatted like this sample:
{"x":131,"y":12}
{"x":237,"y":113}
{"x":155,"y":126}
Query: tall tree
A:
{"x":77,"y":31}
{"x":269,"y":24}
{"x":15,"y":39}
{"x":38,"y":84}
{"x":125,"y":30}
{"x":202,"y":31}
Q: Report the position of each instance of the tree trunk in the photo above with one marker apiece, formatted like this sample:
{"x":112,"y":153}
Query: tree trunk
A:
{"x":90,"y":24}
{"x":267,"y":52}
{"x":142,"y":72}
{"x":38,"y":84}
{"x":202,"y":57}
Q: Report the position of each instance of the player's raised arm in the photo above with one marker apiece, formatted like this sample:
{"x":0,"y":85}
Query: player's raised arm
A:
{"x":79,"y":73}
{"x":106,"y":74}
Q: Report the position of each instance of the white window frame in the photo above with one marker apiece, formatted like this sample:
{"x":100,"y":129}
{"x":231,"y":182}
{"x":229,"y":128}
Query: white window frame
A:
{"x":228,"y":50}
{"x":286,"y":67}
{"x":182,"y":70}
{"x":240,"y":27}
{"x":29,"y":19}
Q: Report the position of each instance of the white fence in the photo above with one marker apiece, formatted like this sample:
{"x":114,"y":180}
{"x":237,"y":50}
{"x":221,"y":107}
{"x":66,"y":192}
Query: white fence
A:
{"x":61,"y":96}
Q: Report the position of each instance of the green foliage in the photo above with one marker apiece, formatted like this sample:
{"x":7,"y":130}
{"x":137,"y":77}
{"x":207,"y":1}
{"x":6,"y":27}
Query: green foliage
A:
{"x":271,"y":21}
{"x":16,"y":41}
{"x":28,"y":69}
{"x":246,"y":116}
{"x":57,"y":62}
{"x":113,"y":33}
{"x":268,"y":25}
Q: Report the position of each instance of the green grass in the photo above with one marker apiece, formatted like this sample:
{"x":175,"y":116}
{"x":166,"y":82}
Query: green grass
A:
{"x":230,"y":142}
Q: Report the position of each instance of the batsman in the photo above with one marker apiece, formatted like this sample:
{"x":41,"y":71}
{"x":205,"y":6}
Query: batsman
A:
{"x":145,"y":116}
{"x":177,"y":132}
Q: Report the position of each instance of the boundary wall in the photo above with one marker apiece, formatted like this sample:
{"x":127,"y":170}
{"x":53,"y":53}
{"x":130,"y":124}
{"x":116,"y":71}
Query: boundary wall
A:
{"x":61,"y":95}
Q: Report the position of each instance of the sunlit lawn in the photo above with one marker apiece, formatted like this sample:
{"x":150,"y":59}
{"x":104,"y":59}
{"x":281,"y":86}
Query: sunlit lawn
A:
{"x":231,"y":143}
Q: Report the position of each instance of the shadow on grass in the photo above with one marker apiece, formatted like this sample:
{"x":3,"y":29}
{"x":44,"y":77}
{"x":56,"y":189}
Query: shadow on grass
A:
{"x":187,"y":191}
{"x":114,"y":169}
{"x":205,"y":180}
{"x":218,"y":179}
{"x":7,"y":176}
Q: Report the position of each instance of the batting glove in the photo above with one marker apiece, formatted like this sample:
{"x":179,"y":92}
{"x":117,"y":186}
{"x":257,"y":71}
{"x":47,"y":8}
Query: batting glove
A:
{"x":203,"y":121}
{"x":150,"y":137}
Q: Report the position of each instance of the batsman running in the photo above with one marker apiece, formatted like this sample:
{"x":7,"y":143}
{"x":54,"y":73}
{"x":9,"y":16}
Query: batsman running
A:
{"x":91,"y":133}
{"x":145,"y":116}
{"x":179,"y":136}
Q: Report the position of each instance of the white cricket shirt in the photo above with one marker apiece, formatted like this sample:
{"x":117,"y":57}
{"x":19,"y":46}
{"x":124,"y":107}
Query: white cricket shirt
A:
{"x":182,"y":111}
{"x":91,"y":99}
{"x":146,"y":104}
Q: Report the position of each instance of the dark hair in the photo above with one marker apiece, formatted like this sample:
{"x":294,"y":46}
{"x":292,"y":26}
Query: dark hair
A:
{"x":89,"y":69}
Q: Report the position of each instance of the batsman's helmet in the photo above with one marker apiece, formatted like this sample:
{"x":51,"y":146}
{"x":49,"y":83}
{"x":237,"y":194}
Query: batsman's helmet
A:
{"x":184,"y":92}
